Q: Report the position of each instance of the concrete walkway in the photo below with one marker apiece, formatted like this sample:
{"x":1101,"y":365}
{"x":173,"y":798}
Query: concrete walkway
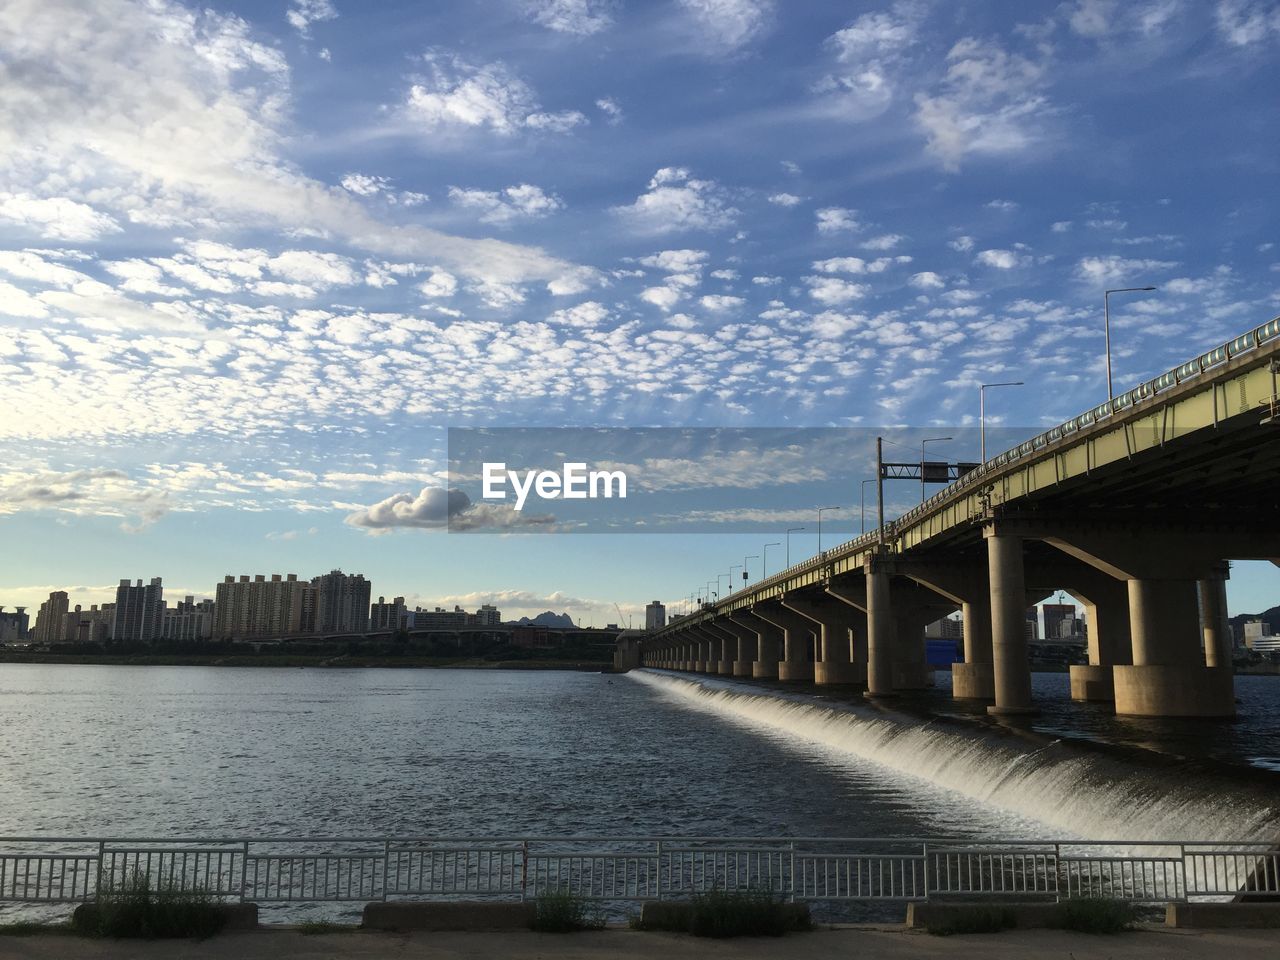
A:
{"x":885,"y":943}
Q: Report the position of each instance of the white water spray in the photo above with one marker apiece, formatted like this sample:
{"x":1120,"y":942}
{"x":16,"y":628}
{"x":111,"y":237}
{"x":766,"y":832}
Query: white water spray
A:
{"x":1076,"y":793}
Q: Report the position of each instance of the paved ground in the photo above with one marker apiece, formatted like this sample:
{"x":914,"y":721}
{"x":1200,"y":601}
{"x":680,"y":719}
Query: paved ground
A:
{"x":842,"y":944}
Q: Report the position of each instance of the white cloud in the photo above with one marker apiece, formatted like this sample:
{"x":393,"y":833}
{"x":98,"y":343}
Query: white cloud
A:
{"x":56,"y":218}
{"x":586,"y":316}
{"x":1002,"y":259}
{"x":833,"y":292}
{"x":729,"y":24}
{"x":520,"y":202}
{"x":440,"y":284}
{"x":611,"y":109}
{"x":785,"y":199}
{"x":1061,"y":226}
{"x":319,"y":270}
{"x":676,"y":261}
{"x":885,"y":241}
{"x":364,"y":186}
{"x":1092,"y":18}
{"x":174,"y":118}
{"x":718,"y":303}
{"x":837,"y":220}
{"x":841,"y":265}
{"x":1113,"y":269}
{"x":961,"y":244}
{"x":460,"y":94}
{"x":1243,"y":23}
{"x":676,"y":201}
{"x":927,"y":280}
{"x":303,"y":13}
{"x":989,"y":104}
{"x":579,"y":17}
{"x":664,"y":298}
{"x":871,"y":35}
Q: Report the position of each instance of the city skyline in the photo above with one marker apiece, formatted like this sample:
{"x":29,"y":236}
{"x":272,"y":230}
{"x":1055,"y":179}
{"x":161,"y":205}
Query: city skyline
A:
{"x":243,"y":351}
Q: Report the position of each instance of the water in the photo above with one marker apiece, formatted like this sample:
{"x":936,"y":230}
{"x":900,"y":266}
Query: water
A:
{"x":160,"y":751}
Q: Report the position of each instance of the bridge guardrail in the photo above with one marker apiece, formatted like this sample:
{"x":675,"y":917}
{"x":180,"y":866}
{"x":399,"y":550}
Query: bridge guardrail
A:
{"x":74,"y":870}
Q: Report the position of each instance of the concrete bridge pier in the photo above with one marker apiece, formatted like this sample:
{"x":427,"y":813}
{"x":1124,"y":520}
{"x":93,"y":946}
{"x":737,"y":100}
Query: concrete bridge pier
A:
{"x":745,"y":647}
{"x":724,"y":650}
{"x":1169,"y":676}
{"x":836,"y":622}
{"x":975,"y":678}
{"x":702,"y":646}
{"x":1011,"y":670}
{"x":768,"y":644}
{"x":1107,"y":613}
{"x":880,"y":629}
{"x":795,"y":663}
{"x":1213,"y":618}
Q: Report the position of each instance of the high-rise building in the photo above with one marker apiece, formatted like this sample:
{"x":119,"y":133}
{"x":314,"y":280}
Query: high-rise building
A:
{"x":388,"y":616}
{"x":1060,"y":622}
{"x":342,"y":602}
{"x":655,"y":615}
{"x":49,"y":617}
{"x":438,"y":619}
{"x":88,"y":626}
{"x":260,"y":607}
{"x":139,"y":613}
{"x":487,"y":616}
{"x":14,"y":626}
{"x":1033,"y":624}
{"x":189,"y":620}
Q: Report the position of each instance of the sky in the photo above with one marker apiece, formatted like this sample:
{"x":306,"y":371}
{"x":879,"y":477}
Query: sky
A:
{"x":257,"y":258}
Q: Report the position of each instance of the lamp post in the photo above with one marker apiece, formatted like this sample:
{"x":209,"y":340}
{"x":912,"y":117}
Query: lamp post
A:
{"x":736,"y":566}
{"x":710,"y":592}
{"x":727,"y":576}
{"x":790,"y":531}
{"x":982,"y":411}
{"x":1106,"y":319}
{"x":863,"y":504}
{"x":766,"y":558}
{"x":745,"y":571}
{"x":821,"y":510}
{"x":922,"y":443}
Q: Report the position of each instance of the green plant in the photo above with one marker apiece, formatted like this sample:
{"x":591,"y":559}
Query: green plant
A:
{"x":1093,"y":915}
{"x":750,"y":913}
{"x":561,"y":911}
{"x":135,"y":907}
{"x":975,"y":920}
{"x":313,"y":928}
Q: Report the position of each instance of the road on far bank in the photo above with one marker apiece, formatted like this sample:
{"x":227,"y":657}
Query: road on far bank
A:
{"x":882,"y":943}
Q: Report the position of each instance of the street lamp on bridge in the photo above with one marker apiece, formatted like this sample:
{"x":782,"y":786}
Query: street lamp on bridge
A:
{"x":790,"y":531}
{"x":765,"y":562}
{"x":1106,"y":318}
{"x":982,"y":412}
{"x":745,"y":571}
{"x":863,"y":504}
{"x":821,"y":510}
{"x":736,"y":566}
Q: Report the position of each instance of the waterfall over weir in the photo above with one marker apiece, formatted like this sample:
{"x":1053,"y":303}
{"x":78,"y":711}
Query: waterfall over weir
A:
{"x":1071,"y":789}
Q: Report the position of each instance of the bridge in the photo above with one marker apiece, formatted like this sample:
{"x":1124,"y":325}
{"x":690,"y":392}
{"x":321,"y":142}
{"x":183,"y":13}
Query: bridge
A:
{"x":1135,"y":507}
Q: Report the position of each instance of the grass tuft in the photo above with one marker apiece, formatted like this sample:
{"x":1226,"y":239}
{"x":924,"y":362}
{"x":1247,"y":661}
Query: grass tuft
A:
{"x":720,"y":914}
{"x":33,"y":928}
{"x":561,"y":911}
{"x":137,"y":908}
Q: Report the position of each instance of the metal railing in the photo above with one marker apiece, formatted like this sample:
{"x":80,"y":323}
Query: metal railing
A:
{"x":71,"y":870}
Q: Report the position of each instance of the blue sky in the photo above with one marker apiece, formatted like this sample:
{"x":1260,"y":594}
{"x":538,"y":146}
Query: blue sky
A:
{"x":255,"y":259}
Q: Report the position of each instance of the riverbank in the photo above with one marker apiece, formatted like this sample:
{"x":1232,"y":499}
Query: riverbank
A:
{"x":884,"y":943}
{"x":299,"y":660}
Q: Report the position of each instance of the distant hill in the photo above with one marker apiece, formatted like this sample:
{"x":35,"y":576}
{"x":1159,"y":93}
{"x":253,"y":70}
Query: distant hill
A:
{"x":1271,"y":616}
{"x":547,"y":619}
